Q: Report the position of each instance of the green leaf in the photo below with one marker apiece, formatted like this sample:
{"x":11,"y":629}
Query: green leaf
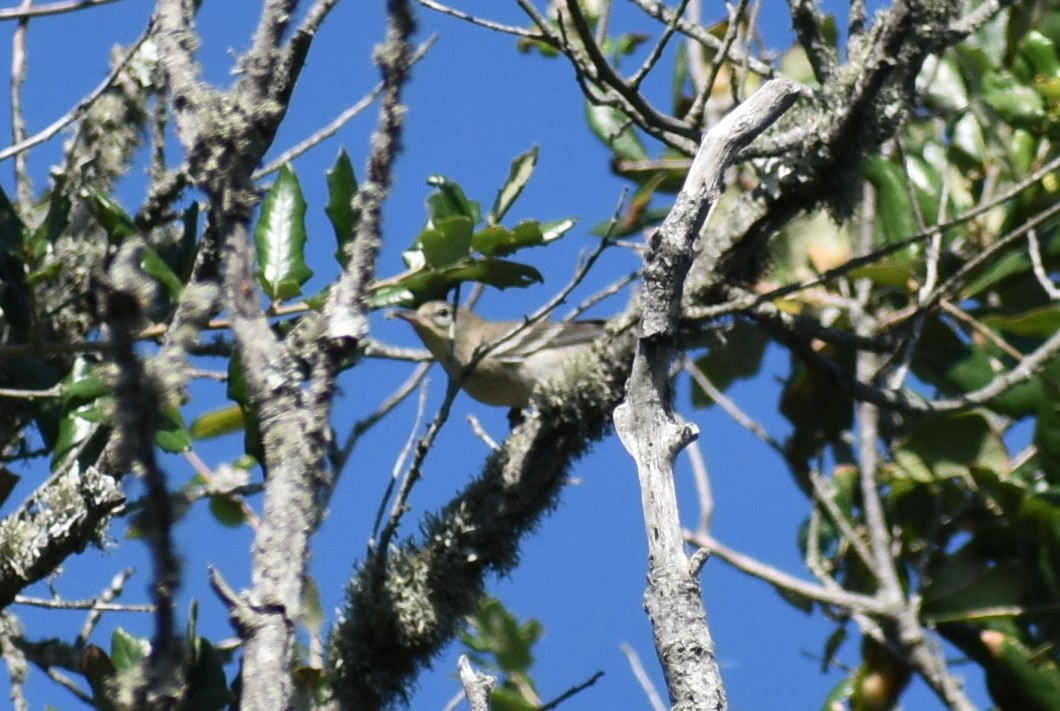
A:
{"x":945,"y":447}
{"x":961,"y":582}
{"x":1014,"y":102}
{"x":227,"y":511}
{"x":738,"y":358}
{"x":422,"y":285}
{"x":498,"y":273}
{"x":343,"y":207}
{"x":1037,"y":679}
{"x":216,"y":423}
{"x":1047,"y":440}
{"x":449,"y":200}
{"x":947,"y":91}
{"x":156,"y":267}
{"x":616,"y":131}
{"x":112,"y":217}
{"x":280,"y":238}
{"x":1040,"y":53}
{"x":494,"y":631}
{"x":76,"y":434}
{"x":554,"y":229}
{"x":54,"y":222}
{"x":236,"y":390}
{"x":519,"y":175}
{"x":499,"y":242}
{"x":895,"y":208}
{"x":179,"y":256}
{"x":207,"y":687}
{"x":955,"y":366}
{"x":128,"y":650}
{"x":172,"y":436}
{"x":1036,"y":323}
{"x":447,"y":242}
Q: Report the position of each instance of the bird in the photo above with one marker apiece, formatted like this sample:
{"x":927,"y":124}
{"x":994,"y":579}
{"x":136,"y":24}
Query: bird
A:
{"x":506,"y":375}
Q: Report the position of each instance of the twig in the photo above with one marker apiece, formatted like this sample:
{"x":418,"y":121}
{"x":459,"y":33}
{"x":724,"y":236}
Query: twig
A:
{"x":481,"y":433}
{"x":838,"y":598}
{"x":571,"y":692}
{"x":481,"y":22}
{"x":642,"y":677}
{"x":1035,"y":251}
{"x":94,"y":604}
{"x":657,"y":51}
{"x":342,"y":456}
{"x":23,"y":184}
{"x":411,"y":476}
{"x":704,"y":494}
{"x":82,"y":106}
{"x":731,"y":408}
{"x":55,"y":8}
{"x":477,"y":686}
{"x":338,"y":122}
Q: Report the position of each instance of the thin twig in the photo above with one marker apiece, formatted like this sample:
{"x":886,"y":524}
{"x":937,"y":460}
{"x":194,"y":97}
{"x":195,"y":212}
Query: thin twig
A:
{"x":1035,"y":251}
{"x":571,"y":692}
{"x":23,"y":184}
{"x":56,"y":8}
{"x":482,"y":22}
{"x":642,"y":677}
{"x":82,"y":106}
{"x":338,"y":122}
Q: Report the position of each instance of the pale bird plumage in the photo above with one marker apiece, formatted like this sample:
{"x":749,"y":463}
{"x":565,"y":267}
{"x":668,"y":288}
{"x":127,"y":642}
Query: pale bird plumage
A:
{"x":507,"y":374}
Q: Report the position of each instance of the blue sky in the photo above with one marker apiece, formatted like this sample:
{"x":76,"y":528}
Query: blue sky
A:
{"x":474,"y":104}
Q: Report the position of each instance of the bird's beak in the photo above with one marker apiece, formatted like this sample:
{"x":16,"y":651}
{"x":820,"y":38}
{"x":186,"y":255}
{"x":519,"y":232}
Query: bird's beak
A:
{"x":405,"y":315}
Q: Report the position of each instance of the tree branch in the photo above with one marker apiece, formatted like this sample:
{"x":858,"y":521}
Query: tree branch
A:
{"x":653,"y":434}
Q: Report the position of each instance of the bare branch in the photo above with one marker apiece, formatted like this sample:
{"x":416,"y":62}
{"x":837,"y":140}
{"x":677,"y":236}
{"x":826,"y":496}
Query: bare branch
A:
{"x":653,"y":434}
{"x":56,"y":8}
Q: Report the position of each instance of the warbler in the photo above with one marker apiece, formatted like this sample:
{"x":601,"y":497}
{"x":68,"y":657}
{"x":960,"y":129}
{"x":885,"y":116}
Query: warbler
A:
{"x":506,"y":375}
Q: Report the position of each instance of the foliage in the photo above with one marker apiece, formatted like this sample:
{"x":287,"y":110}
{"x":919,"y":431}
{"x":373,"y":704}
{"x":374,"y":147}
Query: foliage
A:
{"x":904,"y":254}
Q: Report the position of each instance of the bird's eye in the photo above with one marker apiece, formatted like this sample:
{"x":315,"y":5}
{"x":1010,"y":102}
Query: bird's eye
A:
{"x":443,"y":315}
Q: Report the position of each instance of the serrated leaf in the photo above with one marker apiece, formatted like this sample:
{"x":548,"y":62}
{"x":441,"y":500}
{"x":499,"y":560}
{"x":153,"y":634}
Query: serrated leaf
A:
{"x":447,"y":241}
{"x":280,"y":238}
{"x":501,"y":242}
{"x":498,"y":273}
{"x":427,"y":284}
{"x":342,"y":208}
{"x":449,"y":200}
{"x":519,"y":175}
